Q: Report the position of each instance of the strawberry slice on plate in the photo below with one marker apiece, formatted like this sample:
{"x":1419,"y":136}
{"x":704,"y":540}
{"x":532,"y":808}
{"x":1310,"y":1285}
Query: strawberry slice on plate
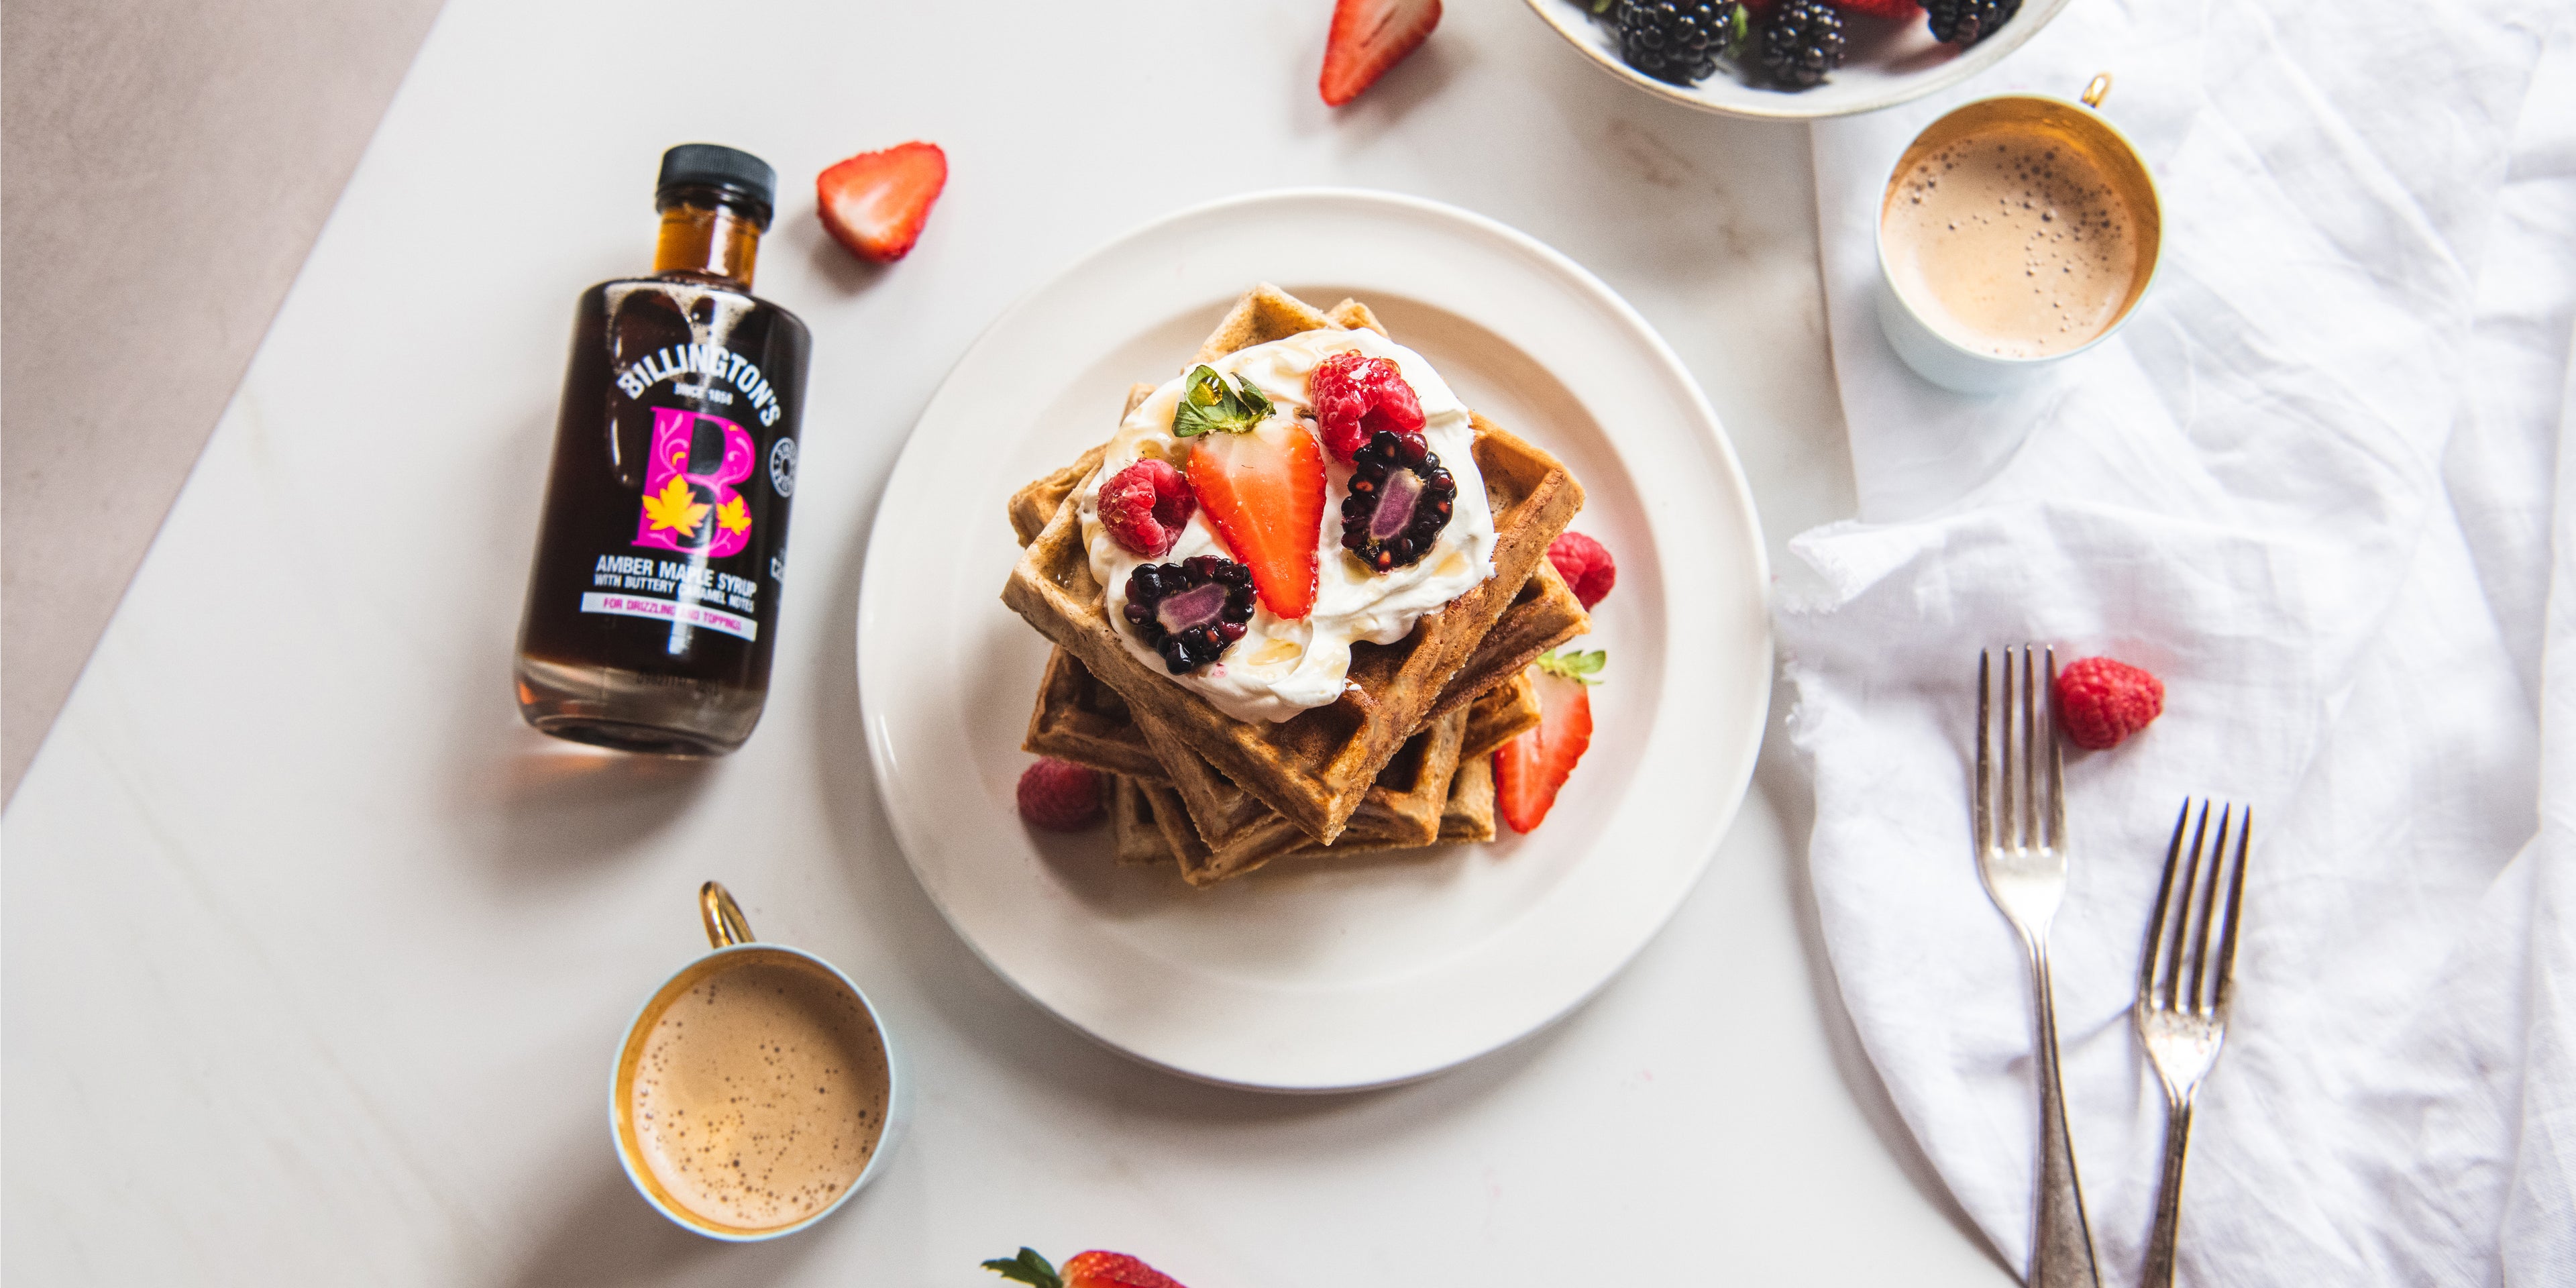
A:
{"x":875,"y":202}
{"x":1529,"y":769}
{"x":1260,"y":477}
{"x":1264,"y":490}
{"x":1369,"y":36}
{"x":1094,"y":1269}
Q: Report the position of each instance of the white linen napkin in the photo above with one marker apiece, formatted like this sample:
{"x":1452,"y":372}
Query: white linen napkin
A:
{"x":2314,"y":486}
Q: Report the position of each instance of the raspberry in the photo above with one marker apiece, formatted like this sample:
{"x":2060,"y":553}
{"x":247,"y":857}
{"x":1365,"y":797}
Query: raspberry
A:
{"x":1060,"y":795}
{"x":2101,"y":702}
{"x":1145,"y":505}
{"x":1586,"y":565}
{"x":1893,"y":10}
{"x":1357,"y":398}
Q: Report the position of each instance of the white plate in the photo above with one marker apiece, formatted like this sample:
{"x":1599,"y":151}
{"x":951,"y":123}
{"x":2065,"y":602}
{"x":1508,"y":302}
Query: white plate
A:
{"x":1885,"y":63}
{"x":1355,"y":972}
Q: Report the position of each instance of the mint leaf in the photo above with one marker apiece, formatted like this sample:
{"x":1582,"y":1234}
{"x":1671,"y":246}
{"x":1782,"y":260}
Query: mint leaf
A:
{"x":1582,"y":668}
{"x":1028,"y":1267}
{"x":1208,"y":405}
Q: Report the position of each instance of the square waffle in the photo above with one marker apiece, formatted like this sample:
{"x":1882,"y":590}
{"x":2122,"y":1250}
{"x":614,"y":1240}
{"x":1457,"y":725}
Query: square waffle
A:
{"x":1402,"y":807}
{"x":1080,"y":719}
{"x":1262,"y":312}
{"x":1314,"y":769}
{"x":1077,"y":717}
{"x":1150,"y":828}
{"x":1132,"y":826}
{"x":1234,"y":834}
{"x":1156,"y":830}
{"x":1469,"y":815}
{"x":1498,"y":715}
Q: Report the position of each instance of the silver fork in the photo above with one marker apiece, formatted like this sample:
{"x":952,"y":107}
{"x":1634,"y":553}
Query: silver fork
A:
{"x":2185,"y":975}
{"x":2021,"y":857}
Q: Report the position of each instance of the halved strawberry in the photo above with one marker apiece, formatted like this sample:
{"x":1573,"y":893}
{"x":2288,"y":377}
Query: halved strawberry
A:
{"x":1093,"y":1269}
{"x":1112,"y":1270}
{"x":1369,"y":36}
{"x":1264,"y":489}
{"x":1529,"y":769}
{"x":875,"y":202}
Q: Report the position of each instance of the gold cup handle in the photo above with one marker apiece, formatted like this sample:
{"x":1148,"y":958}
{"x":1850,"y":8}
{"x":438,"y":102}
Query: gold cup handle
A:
{"x":725,"y":924}
{"x":2097,"y":89}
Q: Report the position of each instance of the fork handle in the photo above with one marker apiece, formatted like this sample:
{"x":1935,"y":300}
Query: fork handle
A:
{"x":2061,"y":1254}
{"x":2160,"y":1249}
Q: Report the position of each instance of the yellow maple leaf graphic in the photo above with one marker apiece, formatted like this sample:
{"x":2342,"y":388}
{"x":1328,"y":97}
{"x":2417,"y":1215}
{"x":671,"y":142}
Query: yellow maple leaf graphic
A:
{"x":733,"y":516}
{"x":676,"y":509}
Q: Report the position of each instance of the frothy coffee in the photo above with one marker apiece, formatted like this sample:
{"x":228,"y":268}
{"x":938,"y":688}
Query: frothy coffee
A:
{"x":2012,"y":241}
{"x":760,"y":1093}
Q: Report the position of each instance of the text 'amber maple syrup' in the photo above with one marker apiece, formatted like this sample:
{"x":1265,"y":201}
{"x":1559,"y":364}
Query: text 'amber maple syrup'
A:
{"x":653,"y":605}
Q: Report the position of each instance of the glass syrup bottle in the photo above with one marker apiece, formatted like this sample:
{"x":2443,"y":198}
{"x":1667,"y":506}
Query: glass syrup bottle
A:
{"x":653,"y":603}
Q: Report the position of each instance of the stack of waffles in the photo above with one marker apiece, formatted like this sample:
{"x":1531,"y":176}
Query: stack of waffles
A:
{"x":1400,"y":760}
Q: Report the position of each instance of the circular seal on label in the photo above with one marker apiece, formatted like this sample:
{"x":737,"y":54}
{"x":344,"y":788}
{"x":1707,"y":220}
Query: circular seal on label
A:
{"x":782,"y":466}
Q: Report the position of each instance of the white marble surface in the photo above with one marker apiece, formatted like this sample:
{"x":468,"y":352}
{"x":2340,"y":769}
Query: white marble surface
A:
{"x":315,"y":958}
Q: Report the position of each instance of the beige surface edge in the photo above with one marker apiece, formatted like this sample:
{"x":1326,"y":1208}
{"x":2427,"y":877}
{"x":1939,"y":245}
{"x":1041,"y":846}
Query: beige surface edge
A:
{"x":163,"y":171}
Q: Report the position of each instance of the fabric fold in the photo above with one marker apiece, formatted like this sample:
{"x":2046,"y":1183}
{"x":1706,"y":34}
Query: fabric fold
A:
{"x":2310,"y":486}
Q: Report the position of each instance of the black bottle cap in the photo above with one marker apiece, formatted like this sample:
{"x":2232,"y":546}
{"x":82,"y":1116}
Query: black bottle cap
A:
{"x":714,"y":165}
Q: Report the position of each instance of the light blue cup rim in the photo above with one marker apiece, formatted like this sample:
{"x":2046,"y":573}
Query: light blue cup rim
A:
{"x":732,"y":937}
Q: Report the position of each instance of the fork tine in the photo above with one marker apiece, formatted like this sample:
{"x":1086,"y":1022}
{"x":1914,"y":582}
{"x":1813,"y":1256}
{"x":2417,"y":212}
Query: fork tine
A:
{"x":1981,"y":809}
{"x":2235,"y":902}
{"x":2151,"y":959}
{"x":2170,"y":981}
{"x":2008,"y":822}
{"x":2029,"y":755}
{"x":2199,"y":1000}
{"x":2056,"y":761}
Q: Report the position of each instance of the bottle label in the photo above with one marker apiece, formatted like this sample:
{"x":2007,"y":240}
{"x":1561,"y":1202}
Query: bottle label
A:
{"x":689,"y":502}
{"x":782,"y":465}
{"x":668,"y":501}
{"x":671,"y":611}
{"x":698,"y":370}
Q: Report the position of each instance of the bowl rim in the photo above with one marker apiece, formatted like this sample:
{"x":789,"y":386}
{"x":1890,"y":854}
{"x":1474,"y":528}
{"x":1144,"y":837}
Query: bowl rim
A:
{"x":1986,"y":53}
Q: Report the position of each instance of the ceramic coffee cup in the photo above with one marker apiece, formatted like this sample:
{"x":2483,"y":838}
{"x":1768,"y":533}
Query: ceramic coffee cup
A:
{"x":756,"y":1090}
{"x":2039,"y":248}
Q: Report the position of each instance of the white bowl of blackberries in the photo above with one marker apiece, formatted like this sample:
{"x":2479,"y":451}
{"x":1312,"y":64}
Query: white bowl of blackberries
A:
{"x":1795,"y":58}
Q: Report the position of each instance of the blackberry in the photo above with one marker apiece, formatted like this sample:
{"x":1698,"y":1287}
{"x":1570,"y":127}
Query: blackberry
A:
{"x":1802,"y":41}
{"x":1400,"y":500}
{"x":1190,"y":611}
{"x":1965,"y":22}
{"x":1676,"y":40}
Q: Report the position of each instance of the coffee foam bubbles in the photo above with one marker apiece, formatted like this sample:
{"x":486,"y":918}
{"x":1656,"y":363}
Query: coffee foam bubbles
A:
{"x":760,"y":1094}
{"x":2011,"y":241}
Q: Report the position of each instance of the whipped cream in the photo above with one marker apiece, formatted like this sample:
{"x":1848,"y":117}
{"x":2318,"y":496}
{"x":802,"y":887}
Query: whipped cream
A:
{"x":1281,"y":667}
